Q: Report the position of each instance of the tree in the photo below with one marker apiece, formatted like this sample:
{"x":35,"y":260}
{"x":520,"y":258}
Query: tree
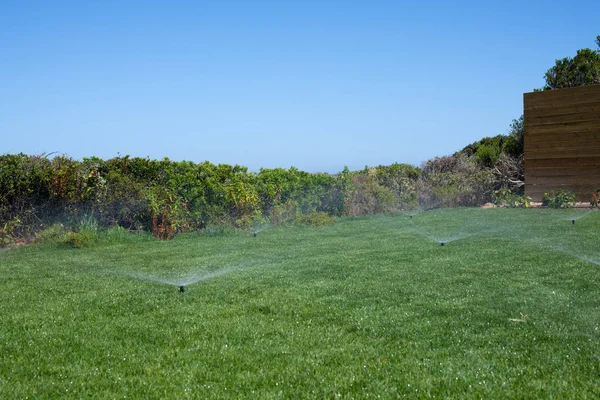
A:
{"x":516,"y":138}
{"x":581,"y":70}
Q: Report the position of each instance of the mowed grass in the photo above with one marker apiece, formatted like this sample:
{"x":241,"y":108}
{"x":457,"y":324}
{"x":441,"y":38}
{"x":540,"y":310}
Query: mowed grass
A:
{"x":369,"y":307}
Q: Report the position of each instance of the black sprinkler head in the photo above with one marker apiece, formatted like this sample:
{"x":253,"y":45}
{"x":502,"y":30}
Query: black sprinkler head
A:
{"x":254,"y":234}
{"x":442,"y":243}
{"x":573,"y":221}
{"x":181,"y":289}
{"x":411,"y":216}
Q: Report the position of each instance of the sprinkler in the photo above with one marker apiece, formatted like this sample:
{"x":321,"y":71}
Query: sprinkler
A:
{"x":181,"y":289}
{"x":573,"y":221}
{"x":254,"y":234}
{"x":442,"y":243}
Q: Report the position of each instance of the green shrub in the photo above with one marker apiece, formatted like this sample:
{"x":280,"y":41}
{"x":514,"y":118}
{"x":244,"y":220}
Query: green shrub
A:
{"x":368,"y":196}
{"x":401,"y":180}
{"x":55,"y":233}
{"x":285,"y":213}
{"x":455,"y":181}
{"x":78,"y":239}
{"x":563,"y":198}
{"x":114,"y":235}
{"x":169,"y":212}
{"x":318,"y":218}
{"x":504,"y":197}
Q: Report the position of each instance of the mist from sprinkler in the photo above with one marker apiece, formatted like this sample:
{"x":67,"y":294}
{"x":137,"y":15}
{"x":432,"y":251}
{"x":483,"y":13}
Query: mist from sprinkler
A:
{"x":588,"y":212}
{"x":444,"y":241}
{"x":571,"y":214}
{"x":576,"y":255}
{"x":414,"y":213}
{"x":259,"y":228}
{"x":182,"y":282}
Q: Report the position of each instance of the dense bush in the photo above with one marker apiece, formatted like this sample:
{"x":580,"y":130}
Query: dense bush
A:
{"x":24,"y":195}
{"x":167,"y":197}
{"x":368,"y":196}
{"x":454,"y":181}
{"x":319,"y":218}
{"x":402,"y":181}
{"x":504,"y":197}
{"x":160,"y":196}
{"x":561,"y":198}
{"x":78,"y":239}
{"x":503,"y":155}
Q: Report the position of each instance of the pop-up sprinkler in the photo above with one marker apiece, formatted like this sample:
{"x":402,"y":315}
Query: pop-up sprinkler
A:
{"x":442,"y":243}
{"x":181,"y":289}
{"x":254,"y":234}
{"x":573,"y":221}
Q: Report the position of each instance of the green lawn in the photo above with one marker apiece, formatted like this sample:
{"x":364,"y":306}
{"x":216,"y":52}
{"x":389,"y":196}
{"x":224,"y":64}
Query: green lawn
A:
{"x":365,"y":308}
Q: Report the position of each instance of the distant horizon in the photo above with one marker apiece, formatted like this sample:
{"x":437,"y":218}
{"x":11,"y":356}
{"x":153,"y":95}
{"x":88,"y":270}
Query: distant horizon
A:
{"x":312,"y":85}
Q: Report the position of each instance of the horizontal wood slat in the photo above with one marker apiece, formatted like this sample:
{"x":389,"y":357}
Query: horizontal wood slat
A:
{"x":561,"y":110}
{"x":562,"y":141}
{"x":563,"y":180}
{"x":539,"y":102}
{"x":565,"y":162}
{"x":565,"y":145}
{"x":562,"y":137}
{"x":585,"y":190}
{"x":560,"y":154}
{"x":567,"y":127}
{"x":564,"y":118}
{"x":581,"y":170}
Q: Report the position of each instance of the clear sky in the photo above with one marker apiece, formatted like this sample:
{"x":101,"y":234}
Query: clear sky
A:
{"x":311,"y":84}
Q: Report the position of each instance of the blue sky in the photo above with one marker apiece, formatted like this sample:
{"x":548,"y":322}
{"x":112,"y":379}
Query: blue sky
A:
{"x":314,"y":84}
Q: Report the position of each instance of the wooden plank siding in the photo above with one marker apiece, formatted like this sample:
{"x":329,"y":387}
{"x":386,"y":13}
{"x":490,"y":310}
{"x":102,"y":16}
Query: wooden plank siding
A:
{"x":562,"y":141}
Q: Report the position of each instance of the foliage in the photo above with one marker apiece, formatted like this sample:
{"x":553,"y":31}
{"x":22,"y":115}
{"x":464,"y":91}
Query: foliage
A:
{"x":515,"y":144}
{"x":368,"y":196}
{"x":78,"y":239}
{"x":581,"y":70}
{"x":318,"y":218}
{"x":509,"y":172}
{"x":487,"y":150}
{"x":503,"y":155}
{"x":285,"y":213}
{"x":563,"y":198}
{"x":8,"y":231}
{"x":454,"y":181}
{"x":242,"y":197}
{"x":504,"y":197}
{"x":55,"y":233}
{"x":24,"y":195}
{"x":595,"y":199}
{"x":401,"y":180}
{"x":169,"y":212}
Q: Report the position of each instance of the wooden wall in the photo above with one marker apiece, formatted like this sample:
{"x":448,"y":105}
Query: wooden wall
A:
{"x":562,"y":141}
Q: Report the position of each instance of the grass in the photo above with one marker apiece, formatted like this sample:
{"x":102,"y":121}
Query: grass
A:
{"x":368,"y":307}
